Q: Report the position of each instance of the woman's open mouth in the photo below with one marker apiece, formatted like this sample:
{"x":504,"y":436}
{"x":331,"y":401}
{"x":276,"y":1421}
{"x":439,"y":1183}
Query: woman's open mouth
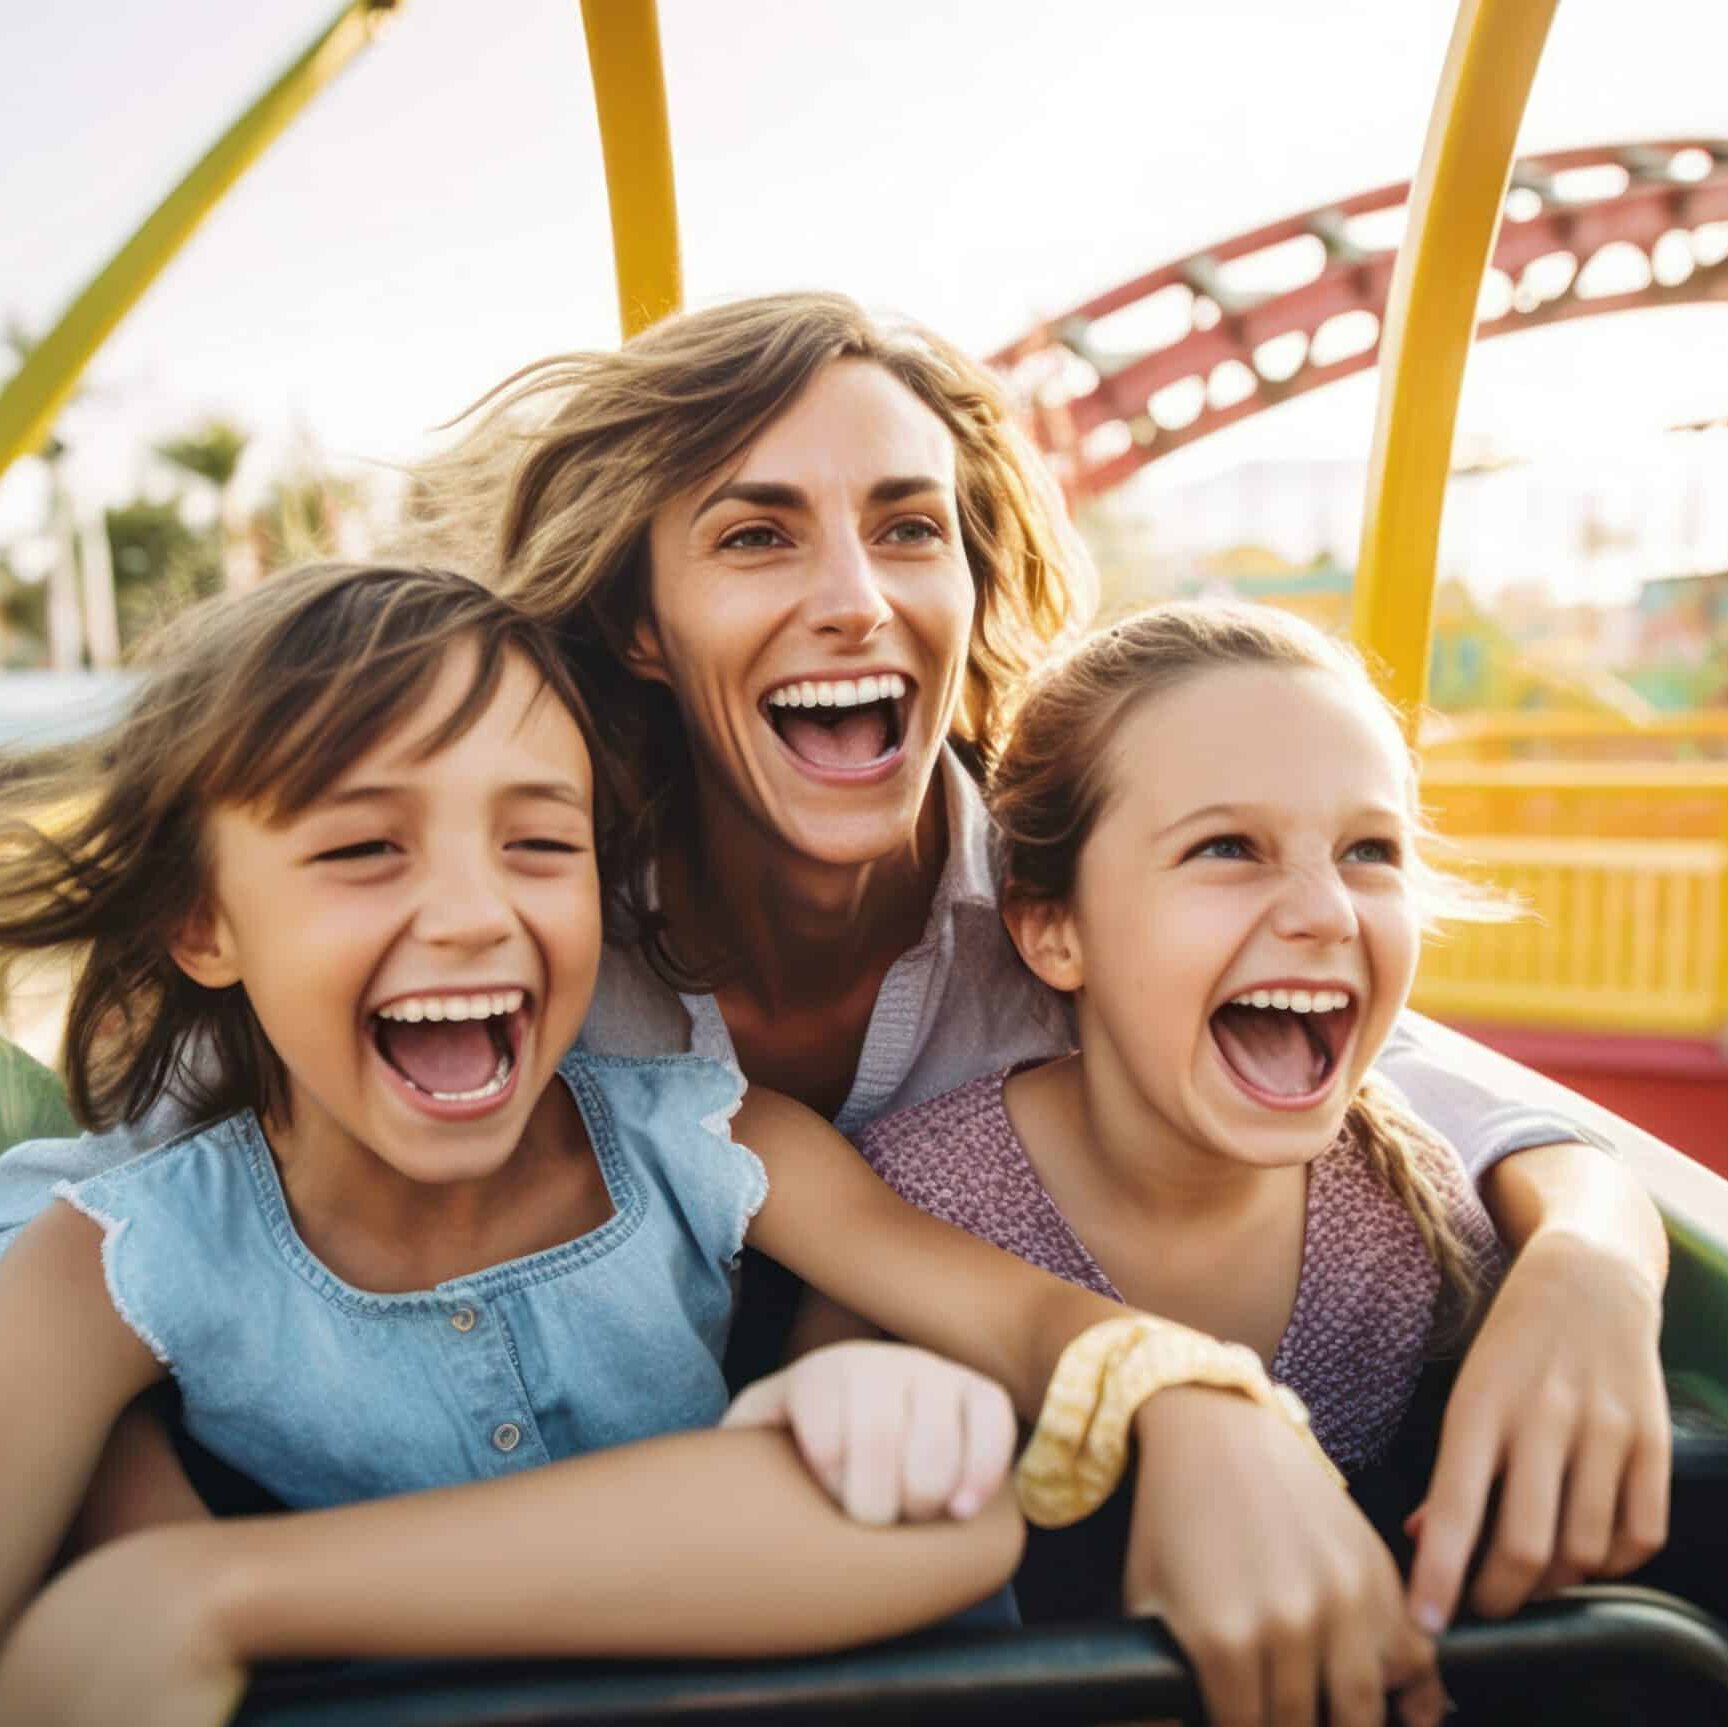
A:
{"x":1283,"y":1044}
{"x":455,"y":1052}
{"x":842,"y":725}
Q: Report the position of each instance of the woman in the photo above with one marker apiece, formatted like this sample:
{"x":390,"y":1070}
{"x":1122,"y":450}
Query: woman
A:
{"x":800,"y":562}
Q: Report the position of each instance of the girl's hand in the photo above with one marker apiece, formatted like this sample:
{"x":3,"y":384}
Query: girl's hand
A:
{"x":1561,"y":1401}
{"x":1267,"y":1574}
{"x":123,"y":1635}
{"x":895,"y":1434}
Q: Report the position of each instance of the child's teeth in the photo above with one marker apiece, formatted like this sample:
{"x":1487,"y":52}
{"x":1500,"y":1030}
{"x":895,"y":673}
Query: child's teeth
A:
{"x":1262,"y":998}
{"x":1301,"y":1001}
{"x":490,"y":1089}
{"x":1294,"y":1000}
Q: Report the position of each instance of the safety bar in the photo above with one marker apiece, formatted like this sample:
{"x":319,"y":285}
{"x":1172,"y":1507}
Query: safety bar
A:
{"x":1093,"y":1672}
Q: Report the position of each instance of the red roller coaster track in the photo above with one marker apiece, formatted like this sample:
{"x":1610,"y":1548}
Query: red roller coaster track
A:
{"x":1283,"y":310}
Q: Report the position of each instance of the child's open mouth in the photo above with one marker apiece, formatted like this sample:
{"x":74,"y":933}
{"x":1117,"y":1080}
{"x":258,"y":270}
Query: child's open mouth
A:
{"x":456,"y":1049}
{"x":1281,"y":1044}
{"x":841,"y":725}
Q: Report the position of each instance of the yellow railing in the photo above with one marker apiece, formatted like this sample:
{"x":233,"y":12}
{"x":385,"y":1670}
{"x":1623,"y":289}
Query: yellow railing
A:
{"x":1701,"y":735}
{"x":1624,"y":876}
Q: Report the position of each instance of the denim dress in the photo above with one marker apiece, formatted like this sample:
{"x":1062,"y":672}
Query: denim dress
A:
{"x":325,"y":1394}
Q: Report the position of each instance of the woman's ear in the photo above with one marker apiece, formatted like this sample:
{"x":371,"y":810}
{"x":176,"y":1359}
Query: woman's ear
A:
{"x":1045,"y":935}
{"x":644,"y":655}
{"x":205,"y":950}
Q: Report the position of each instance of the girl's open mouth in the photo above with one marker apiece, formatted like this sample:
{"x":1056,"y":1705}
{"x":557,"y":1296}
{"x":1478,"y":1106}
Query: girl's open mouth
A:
{"x":455,"y":1051}
{"x":1283,"y":1045}
{"x":841,"y":725}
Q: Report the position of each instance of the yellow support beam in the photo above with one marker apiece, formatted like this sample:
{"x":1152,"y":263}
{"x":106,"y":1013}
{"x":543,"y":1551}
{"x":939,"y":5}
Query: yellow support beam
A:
{"x":636,"y":142}
{"x":41,"y":386}
{"x":1455,"y":207}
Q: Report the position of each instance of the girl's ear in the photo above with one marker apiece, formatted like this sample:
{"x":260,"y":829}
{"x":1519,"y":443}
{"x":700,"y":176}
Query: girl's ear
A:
{"x":644,"y":655}
{"x":205,"y":950}
{"x":1048,"y":942}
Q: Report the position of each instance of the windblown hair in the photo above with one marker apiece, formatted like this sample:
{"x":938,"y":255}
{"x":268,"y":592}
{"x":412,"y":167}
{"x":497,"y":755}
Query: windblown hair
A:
{"x":1055,"y":778}
{"x":550,"y":491}
{"x":261,"y":700}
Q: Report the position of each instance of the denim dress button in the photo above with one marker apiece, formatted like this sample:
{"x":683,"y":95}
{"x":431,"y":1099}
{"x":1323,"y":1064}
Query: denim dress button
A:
{"x":506,"y":1436}
{"x":463,"y":1318}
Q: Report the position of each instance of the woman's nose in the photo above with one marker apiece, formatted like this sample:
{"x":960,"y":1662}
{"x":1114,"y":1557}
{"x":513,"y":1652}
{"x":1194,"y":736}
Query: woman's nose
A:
{"x":846,"y":595}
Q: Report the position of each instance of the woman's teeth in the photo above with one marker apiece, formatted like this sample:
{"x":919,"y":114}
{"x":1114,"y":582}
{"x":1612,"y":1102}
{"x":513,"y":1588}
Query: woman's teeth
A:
{"x":415,"y":1008}
{"x":1295,"y":1000}
{"x":839,"y":693}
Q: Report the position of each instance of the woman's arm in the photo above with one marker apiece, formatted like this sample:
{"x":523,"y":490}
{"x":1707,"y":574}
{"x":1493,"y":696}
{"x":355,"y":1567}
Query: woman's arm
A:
{"x":701,"y":1544}
{"x":68,"y":1366}
{"x":1560,"y":1398}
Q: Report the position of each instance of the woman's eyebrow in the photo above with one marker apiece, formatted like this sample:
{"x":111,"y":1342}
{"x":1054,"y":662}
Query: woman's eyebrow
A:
{"x":777,"y":495}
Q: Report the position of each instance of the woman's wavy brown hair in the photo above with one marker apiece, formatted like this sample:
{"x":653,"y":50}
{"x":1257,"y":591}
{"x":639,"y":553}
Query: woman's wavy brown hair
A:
{"x":549,"y":494}
{"x":261,"y":700}
{"x":1055,"y":777}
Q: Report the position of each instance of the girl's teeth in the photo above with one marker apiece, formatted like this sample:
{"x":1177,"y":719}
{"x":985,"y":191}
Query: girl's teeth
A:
{"x":1295,"y":1000}
{"x":456,"y":1007}
{"x":491,"y":1088}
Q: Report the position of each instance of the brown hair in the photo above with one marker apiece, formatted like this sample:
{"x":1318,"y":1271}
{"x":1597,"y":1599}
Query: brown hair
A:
{"x":260,"y":699}
{"x":550,"y":493}
{"x":1053,"y":783}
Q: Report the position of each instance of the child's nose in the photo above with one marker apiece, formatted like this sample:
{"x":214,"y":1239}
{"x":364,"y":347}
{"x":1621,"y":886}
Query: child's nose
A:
{"x":463,"y":905}
{"x":1314,"y":905}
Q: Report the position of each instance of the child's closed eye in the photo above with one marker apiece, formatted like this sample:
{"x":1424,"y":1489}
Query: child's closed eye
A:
{"x":545,"y":843}
{"x":357,"y":852}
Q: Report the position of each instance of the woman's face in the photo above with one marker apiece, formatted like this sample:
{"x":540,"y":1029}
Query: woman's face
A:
{"x":810,"y":610}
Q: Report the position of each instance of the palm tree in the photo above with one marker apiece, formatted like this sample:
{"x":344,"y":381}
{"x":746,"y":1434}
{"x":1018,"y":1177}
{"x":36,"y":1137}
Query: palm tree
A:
{"x":212,"y":454}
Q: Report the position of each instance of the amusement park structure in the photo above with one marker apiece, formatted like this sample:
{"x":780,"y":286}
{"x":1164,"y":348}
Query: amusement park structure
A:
{"x":1270,"y":315}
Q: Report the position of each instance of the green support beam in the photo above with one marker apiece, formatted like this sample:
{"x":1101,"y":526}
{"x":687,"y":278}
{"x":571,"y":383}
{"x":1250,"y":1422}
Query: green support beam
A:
{"x":41,"y":386}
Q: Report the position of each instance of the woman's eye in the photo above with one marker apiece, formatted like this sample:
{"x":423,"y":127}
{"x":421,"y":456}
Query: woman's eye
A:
{"x":914,"y":531}
{"x":1227,"y":846}
{"x":759,"y":538}
{"x":1375,"y":852}
{"x":358,"y":852}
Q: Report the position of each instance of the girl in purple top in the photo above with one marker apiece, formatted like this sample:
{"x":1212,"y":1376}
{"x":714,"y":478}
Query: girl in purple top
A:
{"x":1208,"y":817}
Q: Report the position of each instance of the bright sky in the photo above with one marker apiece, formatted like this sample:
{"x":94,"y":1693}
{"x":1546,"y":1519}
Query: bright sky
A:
{"x":437,"y":218}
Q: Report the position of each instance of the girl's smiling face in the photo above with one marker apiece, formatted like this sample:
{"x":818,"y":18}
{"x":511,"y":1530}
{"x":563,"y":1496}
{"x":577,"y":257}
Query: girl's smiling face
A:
{"x":810,"y":609}
{"x":1242,"y":931}
{"x":420,"y":943}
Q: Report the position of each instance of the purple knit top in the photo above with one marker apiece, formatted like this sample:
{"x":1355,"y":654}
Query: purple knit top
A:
{"x":1365,"y":1299}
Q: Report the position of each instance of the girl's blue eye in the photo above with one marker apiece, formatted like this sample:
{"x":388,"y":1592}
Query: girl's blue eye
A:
{"x":1231,"y":847}
{"x":352,"y":853}
{"x":1375,"y":852}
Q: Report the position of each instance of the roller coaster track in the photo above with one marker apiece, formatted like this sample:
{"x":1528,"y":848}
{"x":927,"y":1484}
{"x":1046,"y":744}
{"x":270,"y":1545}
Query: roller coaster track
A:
{"x":1271,"y":315}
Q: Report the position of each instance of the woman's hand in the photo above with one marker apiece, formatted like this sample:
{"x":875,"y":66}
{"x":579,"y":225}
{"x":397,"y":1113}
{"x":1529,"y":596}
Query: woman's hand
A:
{"x":1560,"y":1400}
{"x":1267,"y":1574}
{"x":894,"y":1434}
{"x":124,"y":1635}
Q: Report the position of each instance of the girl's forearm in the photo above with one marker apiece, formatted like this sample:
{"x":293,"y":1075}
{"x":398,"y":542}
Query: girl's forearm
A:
{"x":139,"y":1484}
{"x":1577,"y":1191}
{"x":712,"y":1543}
